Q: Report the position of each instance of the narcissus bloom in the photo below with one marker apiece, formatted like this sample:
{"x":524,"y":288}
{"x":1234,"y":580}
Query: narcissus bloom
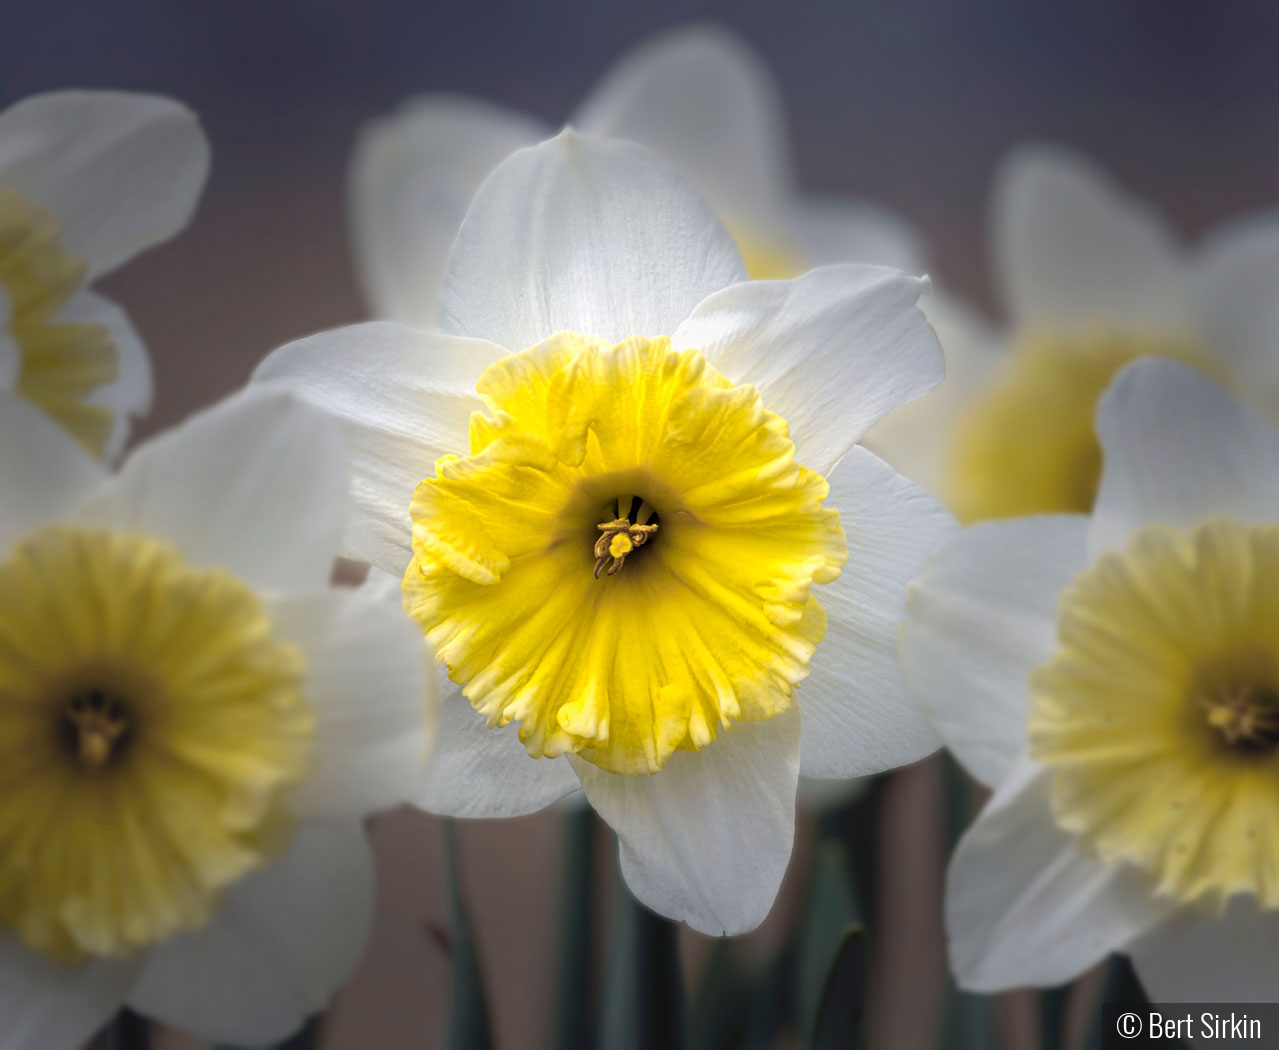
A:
{"x":699,"y":97}
{"x":624,"y":497}
{"x":87,"y":180}
{"x":191,"y":727}
{"x":1091,"y":279}
{"x":1115,"y":680}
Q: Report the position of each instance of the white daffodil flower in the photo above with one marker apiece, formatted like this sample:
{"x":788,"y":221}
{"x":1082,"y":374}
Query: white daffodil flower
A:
{"x":1115,"y":680}
{"x":1090,"y":280}
{"x":699,"y":97}
{"x":87,"y":180}
{"x":191,"y":727}
{"x":625,"y":555}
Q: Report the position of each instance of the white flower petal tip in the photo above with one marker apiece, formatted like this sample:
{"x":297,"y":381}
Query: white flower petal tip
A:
{"x":979,"y":619}
{"x":1176,"y":449}
{"x":1024,"y":908}
{"x":263,"y":456}
{"x":860,"y":716}
{"x":282,"y":942}
{"x":413,"y":176}
{"x":857,"y":345}
{"x":707,"y":840}
{"x":584,"y":235}
{"x":701,"y":98}
{"x":122,"y":171}
{"x":1072,"y":247}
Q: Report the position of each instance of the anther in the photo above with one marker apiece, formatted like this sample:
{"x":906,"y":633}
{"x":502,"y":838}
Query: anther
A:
{"x":620,"y":537}
{"x":98,"y":724}
{"x":1244,"y":719}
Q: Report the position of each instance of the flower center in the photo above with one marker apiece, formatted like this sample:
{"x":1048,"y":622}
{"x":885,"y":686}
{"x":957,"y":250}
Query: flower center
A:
{"x":1027,"y":446}
{"x":1159,"y":713}
{"x":717,"y":619}
{"x":62,"y":362}
{"x":151,"y":726}
{"x":623,"y":534}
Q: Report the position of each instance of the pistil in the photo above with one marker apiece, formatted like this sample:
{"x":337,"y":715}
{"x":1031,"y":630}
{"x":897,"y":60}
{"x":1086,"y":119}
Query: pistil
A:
{"x":99,"y":724}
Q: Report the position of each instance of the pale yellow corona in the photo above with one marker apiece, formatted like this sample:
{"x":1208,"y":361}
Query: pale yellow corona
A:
{"x":625,"y":562}
{"x":1159,"y":714}
{"x":61,"y":363}
{"x":150,"y":726}
{"x":1027,"y":446}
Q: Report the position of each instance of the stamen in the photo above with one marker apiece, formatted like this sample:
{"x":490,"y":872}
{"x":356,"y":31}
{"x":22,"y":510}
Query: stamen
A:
{"x":98,"y":723}
{"x":620,"y":537}
{"x":1245,"y":718}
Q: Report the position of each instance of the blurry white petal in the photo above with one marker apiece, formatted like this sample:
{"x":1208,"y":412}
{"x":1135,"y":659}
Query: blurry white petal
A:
{"x":10,"y":361}
{"x":412,"y":178}
{"x":1176,"y":449}
{"x":707,"y":840}
{"x":44,"y":473}
{"x":370,"y":682}
{"x":255,"y":485}
{"x":129,"y":397}
{"x":860,"y":715}
{"x":836,"y":231}
{"x":481,"y":772}
{"x":1071,"y":247}
{"x":404,"y":398}
{"x":830,"y":352}
{"x":980,"y":618}
{"x":1024,"y":907}
{"x":48,"y":1006}
{"x":582,"y":235}
{"x":121,"y":171}
{"x":1206,"y":958}
{"x":702,"y":100}
{"x":281,"y":942}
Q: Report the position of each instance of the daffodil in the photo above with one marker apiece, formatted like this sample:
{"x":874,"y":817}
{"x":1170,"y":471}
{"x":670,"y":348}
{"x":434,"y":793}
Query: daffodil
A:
{"x":609,"y":484}
{"x":87,"y":180}
{"x":698,"y":96}
{"x":1114,"y":679}
{"x":191,"y":727}
{"x":1090,"y":279}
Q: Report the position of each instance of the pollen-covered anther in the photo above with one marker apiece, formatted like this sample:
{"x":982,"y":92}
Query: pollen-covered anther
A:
{"x":99,"y":724}
{"x":1244,"y":717}
{"x":620,"y":538}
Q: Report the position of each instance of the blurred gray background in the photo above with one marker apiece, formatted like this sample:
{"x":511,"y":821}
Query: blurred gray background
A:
{"x":910,"y":104}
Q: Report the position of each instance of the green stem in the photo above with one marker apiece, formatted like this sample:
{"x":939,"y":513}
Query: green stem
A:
{"x":468,"y":1014}
{"x":128,"y":1031}
{"x":574,"y":1021}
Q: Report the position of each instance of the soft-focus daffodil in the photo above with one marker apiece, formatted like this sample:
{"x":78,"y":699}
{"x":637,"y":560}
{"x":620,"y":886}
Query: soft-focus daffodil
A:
{"x":699,"y":97}
{"x":191,"y":727}
{"x":1115,"y":680}
{"x":1090,"y":279}
{"x":87,"y":180}
{"x":622,"y":488}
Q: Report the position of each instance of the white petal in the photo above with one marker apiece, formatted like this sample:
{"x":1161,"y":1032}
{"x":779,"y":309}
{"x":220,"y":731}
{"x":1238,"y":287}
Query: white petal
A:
{"x":1024,"y":907}
{"x":1176,"y":449}
{"x":914,"y":438}
{"x":825,"y":231}
{"x":282,"y":941}
{"x":369,"y":680}
{"x":476,"y":771}
{"x":831,"y":352}
{"x":412,"y":177}
{"x":404,"y":399}
{"x":702,"y":100}
{"x":255,"y":485}
{"x":1205,"y":958}
{"x":980,"y":618}
{"x":583,"y":235}
{"x":10,"y":361}
{"x":47,"y":1006}
{"x":1237,"y":273}
{"x":130,"y":395}
{"x":121,"y":171}
{"x":860,"y":716}
{"x":44,"y":473}
{"x":1072,"y":248}
{"x":707,"y":840}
